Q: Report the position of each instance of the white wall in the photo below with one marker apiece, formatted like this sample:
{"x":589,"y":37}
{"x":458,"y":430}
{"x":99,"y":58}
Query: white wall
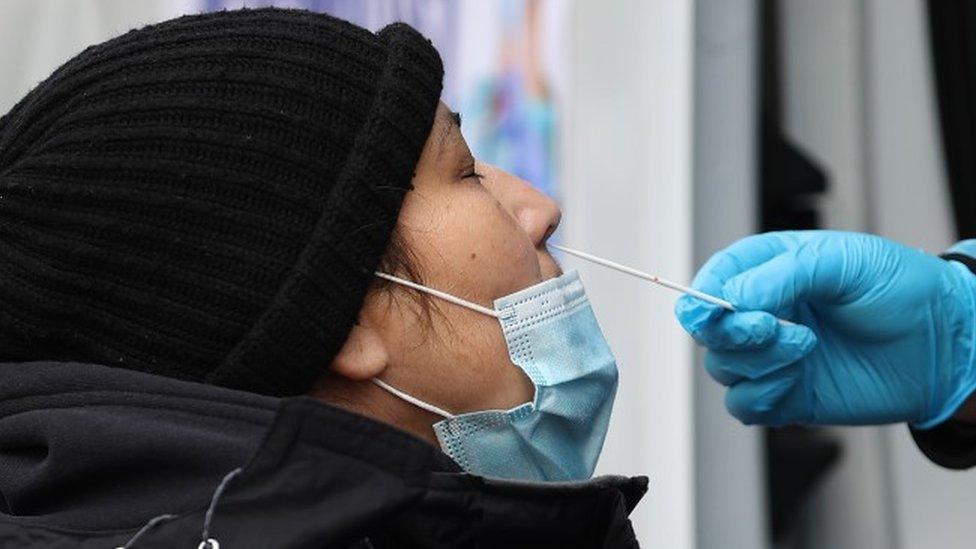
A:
{"x":730,"y":492}
{"x":859,"y":97}
{"x":37,"y":36}
{"x":628,"y":197}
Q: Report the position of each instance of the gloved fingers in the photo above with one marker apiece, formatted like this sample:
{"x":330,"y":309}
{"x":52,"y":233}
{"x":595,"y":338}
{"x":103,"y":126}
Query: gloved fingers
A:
{"x":717,"y":368}
{"x":739,"y":257}
{"x":723,"y":330}
{"x":768,"y":400}
{"x":696,"y":316}
{"x":791,"y":344}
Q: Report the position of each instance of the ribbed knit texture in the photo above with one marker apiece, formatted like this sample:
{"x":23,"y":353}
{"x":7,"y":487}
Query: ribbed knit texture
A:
{"x":207,"y":198}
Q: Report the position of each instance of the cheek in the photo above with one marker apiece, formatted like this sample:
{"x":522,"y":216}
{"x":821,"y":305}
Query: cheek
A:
{"x":502,"y":257}
{"x":479,"y":373}
{"x":469,"y":246}
{"x":461,"y":361}
{"x":470,"y":243}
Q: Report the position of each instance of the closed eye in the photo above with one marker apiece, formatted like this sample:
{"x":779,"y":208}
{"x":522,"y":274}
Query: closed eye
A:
{"x":471,"y":170}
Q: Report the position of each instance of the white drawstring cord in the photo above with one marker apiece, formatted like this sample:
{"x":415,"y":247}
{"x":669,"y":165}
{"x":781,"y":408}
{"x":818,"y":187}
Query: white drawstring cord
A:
{"x":208,"y":542}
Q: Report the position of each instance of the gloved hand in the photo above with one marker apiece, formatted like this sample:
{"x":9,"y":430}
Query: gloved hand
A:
{"x":884,"y":333}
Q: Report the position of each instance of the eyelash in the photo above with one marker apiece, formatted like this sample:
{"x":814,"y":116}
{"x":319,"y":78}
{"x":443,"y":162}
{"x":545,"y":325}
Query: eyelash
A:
{"x":475,"y":174}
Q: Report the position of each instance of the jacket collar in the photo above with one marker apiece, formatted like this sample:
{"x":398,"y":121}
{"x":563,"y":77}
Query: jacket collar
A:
{"x":102,"y":450}
{"x":360,"y":474}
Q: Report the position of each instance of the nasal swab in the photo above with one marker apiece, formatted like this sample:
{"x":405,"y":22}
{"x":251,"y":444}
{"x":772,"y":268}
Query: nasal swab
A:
{"x":652,"y":278}
{"x":646,"y":276}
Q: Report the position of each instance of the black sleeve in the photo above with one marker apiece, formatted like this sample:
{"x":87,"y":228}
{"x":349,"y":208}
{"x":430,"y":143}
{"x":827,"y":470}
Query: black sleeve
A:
{"x":951,"y":444}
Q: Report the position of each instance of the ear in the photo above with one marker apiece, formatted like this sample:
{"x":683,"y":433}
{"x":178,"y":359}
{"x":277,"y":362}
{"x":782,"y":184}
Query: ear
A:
{"x":363,"y":356}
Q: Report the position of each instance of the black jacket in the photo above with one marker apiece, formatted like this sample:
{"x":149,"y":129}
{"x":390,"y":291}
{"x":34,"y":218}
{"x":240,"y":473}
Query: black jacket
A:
{"x":951,"y":444}
{"x":89,"y":454}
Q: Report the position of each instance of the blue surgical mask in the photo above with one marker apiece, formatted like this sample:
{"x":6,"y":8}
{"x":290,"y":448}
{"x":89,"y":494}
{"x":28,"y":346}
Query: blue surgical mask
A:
{"x":554,"y":338}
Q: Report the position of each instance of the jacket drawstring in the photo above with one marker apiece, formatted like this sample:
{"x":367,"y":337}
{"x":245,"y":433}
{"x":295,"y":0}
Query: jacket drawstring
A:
{"x":207,"y":542}
{"x":149,"y":525}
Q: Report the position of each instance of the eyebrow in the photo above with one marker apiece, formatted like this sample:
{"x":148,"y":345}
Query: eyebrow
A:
{"x":456,"y":118}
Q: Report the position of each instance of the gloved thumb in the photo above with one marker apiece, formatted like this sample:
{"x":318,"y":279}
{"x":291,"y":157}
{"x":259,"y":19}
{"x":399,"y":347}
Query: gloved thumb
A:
{"x":777,"y":285}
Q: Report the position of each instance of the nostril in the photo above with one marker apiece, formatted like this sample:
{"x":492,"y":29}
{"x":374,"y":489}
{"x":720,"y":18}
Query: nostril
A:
{"x":548,"y":234}
{"x":554,"y":218}
{"x":548,"y":231}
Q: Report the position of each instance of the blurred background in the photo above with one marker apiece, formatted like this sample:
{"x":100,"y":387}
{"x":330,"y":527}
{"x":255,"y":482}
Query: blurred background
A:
{"x":667,"y":129}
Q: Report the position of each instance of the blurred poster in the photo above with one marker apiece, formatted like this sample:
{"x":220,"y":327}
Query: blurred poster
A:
{"x":510,"y":75}
{"x":505,"y":64}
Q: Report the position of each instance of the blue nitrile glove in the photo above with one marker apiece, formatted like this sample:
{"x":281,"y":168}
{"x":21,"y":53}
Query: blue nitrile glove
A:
{"x":884,"y":333}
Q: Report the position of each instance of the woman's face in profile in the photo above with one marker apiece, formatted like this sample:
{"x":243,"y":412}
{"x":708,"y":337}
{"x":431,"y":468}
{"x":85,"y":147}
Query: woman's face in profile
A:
{"x":478,"y":233}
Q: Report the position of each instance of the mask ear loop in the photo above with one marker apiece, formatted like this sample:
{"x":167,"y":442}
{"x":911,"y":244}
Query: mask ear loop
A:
{"x":446,"y":297}
{"x":413,"y":400}
{"x":437,"y":293}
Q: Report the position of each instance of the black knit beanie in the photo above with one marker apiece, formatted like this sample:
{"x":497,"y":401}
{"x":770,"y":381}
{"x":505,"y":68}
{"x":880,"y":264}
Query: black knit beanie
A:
{"x":208,"y":197}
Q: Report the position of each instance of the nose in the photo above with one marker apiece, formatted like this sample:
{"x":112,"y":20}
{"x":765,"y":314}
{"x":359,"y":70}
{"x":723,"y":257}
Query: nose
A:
{"x":540,"y":217}
{"x":536,"y":213}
